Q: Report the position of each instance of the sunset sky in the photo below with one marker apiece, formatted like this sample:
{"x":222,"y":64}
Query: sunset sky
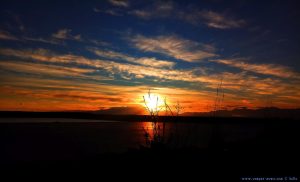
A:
{"x":106,"y":54}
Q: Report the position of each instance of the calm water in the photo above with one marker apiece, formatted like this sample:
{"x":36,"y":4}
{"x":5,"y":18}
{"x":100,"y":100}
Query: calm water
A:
{"x":39,"y":138}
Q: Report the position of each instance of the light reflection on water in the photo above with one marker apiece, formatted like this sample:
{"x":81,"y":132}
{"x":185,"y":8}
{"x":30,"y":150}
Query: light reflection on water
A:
{"x":36,"y":137}
{"x":199,"y":134}
{"x":152,"y":128}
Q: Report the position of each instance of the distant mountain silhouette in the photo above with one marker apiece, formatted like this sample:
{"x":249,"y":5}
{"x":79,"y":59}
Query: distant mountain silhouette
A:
{"x":267,"y":112}
{"x":121,"y":111}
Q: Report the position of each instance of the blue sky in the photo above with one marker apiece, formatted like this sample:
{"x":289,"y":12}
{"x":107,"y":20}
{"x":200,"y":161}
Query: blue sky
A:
{"x":77,"y":55}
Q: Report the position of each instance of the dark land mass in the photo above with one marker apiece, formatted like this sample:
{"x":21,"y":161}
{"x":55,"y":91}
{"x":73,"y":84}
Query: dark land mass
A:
{"x":72,"y":115}
{"x":267,"y":112}
{"x":243,"y":114}
{"x":272,"y":152}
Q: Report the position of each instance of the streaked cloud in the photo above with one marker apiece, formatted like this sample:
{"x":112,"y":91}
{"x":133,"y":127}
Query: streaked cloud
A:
{"x":169,"y":9}
{"x":90,"y":96}
{"x":78,"y":37}
{"x":115,"y":68}
{"x":56,"y":98}
{"x":155,"y":62}
{"x":97,"y":10}
{"x":111,"y":54}
{"x":213,"y":19}
{"x":159,"y":9}
{"x":99,"y":42}
{"x":62,"y":34}
{"x":37,"y":54}
{"x":113,"y":12}
{"x":66,"y":34}
{"x":4,"y":35}
{"x":43,"y":40}
{"x":189,"y":75}
{"x":83,"y":96}
{"x":42,"y":69}
{"x":266,"y":69}
{"x":54,"y":94}
{"x":174,"y":46}
{"x":142,"y":13}
{"x":152,"y":62}
{"x":77,"y":95}
{"x":120,"y":3}
{"x":238,"y":86}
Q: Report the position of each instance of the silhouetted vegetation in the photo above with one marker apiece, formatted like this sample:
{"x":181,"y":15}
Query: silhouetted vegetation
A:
{"x":156,"y":137}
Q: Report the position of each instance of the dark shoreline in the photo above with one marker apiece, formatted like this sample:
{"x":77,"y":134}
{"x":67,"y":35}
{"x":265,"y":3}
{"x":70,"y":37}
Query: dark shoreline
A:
{"x":138,"y":118}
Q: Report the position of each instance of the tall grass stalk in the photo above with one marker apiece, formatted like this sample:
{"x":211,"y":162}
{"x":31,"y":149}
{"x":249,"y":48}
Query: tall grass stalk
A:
{"x":219,"y":98}
{"x":158,"y":138}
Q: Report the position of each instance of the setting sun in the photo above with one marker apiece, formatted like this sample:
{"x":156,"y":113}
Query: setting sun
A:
{"x":153,"y":102}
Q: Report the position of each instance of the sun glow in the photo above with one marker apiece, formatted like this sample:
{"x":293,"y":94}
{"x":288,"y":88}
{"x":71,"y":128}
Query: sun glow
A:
{"x":153,"y":102}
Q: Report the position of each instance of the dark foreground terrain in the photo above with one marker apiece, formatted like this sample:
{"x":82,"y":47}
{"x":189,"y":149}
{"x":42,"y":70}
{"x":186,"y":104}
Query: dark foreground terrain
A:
{"x":217,"y":149}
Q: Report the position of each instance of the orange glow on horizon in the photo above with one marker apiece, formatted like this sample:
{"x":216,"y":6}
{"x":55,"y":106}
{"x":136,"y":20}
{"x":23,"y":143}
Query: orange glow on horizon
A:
{"x":21,"y":99}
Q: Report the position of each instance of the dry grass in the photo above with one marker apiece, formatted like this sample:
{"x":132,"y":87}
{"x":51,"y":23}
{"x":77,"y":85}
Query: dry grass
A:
{"x":159,"y":138}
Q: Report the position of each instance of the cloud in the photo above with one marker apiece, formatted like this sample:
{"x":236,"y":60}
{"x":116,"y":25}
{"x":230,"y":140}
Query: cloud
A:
{"x":7,"y":36}
{"x":120,"y":3}
{"x":212,"y":19}
{"x":43,"y":40}
{"x":113,"y":12}
{"x":41,"y":96}
{"x":37,"y":54}
{"x":63,"y":82}
{"x":266,"y":69}
{"x":77,"y":37}
{"x":85,"y":95}
{"x":55,"y":38}
{"x":169,"y":9}
{"x":100,"y":43}
{"x":174,"y":46}
{"x":48,"y":94}
{"x":96,"y":10}
{"x":62,"y":34}
{"x":142,"y":14}
{"x":73,"y":94}
{"x":237,"y":84}
{"x":124,"y":69}
{"x":66,"y":34}
{"x":115,"y":67}
{"x":152,"y":62}
{"x":94,"y":97}
{"x":110,"y":54}
{"x":159,"y":9}
{"x":41,"y":69}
